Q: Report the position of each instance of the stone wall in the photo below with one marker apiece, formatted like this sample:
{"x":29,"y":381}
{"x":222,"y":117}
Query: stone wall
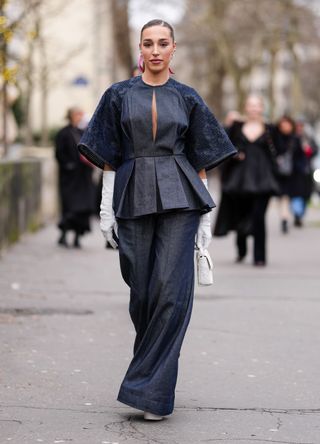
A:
{"x":28,"y":196}
{"x":20,"y":199}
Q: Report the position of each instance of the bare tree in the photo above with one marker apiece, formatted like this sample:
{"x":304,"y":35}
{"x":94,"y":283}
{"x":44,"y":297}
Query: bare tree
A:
{"x":9,"y":27}
{"x":235,"y":38}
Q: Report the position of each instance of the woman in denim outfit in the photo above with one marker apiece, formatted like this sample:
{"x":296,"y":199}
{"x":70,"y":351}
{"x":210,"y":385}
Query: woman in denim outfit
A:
{"x":155,"y":138}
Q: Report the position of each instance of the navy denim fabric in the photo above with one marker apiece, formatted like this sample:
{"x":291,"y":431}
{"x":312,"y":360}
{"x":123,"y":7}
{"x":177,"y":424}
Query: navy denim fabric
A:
{"x":155,"y":174}
{"x":157,"y":262}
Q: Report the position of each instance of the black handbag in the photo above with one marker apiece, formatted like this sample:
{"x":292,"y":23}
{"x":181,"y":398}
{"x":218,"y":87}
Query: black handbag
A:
{"x":282,"y":163}
{"x":285,"y":163}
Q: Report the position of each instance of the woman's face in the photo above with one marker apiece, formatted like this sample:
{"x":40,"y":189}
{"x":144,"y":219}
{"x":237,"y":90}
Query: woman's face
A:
{"x":286,"y":127}
{"x":254,"y":107}
{"x":76,"y":117}
{"x":157,"y":48}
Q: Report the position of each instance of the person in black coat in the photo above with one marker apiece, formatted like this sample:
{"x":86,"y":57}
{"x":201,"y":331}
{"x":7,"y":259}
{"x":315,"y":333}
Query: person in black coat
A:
{"x":76,"y":187}
{"x":302,"y":183}
{"x":248,"y":181}
{"x":288,"y":148}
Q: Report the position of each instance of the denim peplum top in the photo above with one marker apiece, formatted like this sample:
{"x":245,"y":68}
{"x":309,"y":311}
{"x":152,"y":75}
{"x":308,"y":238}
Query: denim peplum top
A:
{"x":155,"y":172}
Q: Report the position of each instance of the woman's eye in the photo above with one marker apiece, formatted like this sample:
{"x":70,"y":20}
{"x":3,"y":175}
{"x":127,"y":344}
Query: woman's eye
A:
{"x":148,"y":45}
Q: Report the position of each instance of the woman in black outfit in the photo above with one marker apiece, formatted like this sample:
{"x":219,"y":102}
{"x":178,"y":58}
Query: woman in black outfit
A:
{"x":76,"y":188}
{"x":248,"y":181}
{"x":288,"y":147}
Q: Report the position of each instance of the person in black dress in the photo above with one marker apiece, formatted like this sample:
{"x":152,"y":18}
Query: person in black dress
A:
{"x":154,"y":137}
{"x":248,"y":181}
{"x":76,"y":188}
{"x":288,"y":147}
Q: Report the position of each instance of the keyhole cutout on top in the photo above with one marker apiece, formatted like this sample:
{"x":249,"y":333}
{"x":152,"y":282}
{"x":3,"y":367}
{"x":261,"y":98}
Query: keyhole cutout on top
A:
{"x":154,"y":116}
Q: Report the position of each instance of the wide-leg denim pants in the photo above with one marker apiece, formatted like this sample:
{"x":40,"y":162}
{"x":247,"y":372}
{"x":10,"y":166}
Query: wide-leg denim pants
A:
{"x":157,"y":262}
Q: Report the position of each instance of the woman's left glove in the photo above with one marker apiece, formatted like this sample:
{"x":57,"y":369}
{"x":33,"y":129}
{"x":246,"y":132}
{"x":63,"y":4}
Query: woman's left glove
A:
{"x":204,"y":235}
{"x":107,"y":218}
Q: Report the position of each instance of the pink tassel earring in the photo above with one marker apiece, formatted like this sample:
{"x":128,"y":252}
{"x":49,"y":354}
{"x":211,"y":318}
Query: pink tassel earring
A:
{"x":141,"y":63}
{"x":171,"y":70}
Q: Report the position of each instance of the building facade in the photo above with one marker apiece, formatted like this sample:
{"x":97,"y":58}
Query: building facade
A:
{"x":75,"y":64}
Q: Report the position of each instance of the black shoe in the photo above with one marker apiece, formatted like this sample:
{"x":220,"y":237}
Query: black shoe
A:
{"x":259,"y":263}
{"x":240,"y":259}
{"x":76,"y":242}
{"x":62,"y":241}
{"x":298,"y":221}
{"x":284,"y":226}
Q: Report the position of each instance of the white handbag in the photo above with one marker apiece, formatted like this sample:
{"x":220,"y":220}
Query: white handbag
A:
{"x":204,"y":267}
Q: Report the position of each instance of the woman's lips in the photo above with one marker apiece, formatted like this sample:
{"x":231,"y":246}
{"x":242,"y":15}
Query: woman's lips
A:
{"x":156,"y":61}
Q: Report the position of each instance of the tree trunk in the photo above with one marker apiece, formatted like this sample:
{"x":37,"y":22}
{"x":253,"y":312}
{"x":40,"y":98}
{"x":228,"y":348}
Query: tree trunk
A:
{"x":241,"y":93}
{"x":121,"y":36}
{"x":292,"y":40}
{"x":44,"y":107}
{"x":296,"y":86}
{"x":28,"y":94}
{"x":271,"y":86}
{"x":215,"y":95}
{"x":4,"y":93}
{"x":44,"y":87}
{"x":4,"y":118}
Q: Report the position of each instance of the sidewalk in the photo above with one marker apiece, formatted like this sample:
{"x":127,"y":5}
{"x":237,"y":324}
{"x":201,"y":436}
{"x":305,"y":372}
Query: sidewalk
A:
{"x":249,"y":368}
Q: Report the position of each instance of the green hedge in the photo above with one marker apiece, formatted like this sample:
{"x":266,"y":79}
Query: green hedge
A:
{"x":20,"y":199}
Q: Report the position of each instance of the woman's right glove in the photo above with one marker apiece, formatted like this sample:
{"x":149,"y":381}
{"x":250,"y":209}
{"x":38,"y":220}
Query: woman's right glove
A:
{"x":107,"y":218}
{"x":204,"y":235}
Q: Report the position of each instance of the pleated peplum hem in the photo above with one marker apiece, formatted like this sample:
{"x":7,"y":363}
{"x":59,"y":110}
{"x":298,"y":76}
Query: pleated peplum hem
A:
{"x":146,"y":185}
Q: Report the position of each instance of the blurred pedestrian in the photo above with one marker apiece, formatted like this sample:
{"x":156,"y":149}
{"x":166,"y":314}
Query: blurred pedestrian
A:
{"x":160,"y":137}
{"x":248,"y":181}
{"x":302,"y":186}
{"x":76,"y":188}
{"x":287,"y":145}
{"x":136,"y":71}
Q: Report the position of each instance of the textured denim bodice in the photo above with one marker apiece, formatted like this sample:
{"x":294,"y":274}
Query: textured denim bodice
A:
{"x":155,"y":174}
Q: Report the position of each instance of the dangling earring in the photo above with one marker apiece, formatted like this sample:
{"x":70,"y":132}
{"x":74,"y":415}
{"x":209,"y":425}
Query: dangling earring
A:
{"x":170,"y":69}
{"x":141,"y":63}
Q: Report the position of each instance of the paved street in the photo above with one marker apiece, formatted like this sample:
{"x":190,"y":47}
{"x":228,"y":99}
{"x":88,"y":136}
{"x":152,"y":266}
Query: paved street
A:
{"x":249,"y":368}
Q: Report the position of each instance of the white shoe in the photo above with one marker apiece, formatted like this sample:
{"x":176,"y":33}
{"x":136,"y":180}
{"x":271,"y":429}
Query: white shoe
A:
{"x":151,"y":417}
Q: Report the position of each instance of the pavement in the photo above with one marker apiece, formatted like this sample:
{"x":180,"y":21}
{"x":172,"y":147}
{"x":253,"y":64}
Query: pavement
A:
{"x":249,"y":367}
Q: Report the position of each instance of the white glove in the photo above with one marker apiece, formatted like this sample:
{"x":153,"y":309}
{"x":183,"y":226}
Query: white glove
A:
{"x":107,"y":218}
{"x":204,"y":235}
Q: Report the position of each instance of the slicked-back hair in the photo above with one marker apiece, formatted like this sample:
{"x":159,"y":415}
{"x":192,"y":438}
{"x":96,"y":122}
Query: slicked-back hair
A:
{"x":157,"y":22}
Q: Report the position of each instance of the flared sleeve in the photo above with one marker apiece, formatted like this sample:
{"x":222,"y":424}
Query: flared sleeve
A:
{"x":207,"y":143}
{"x":101,"y":141}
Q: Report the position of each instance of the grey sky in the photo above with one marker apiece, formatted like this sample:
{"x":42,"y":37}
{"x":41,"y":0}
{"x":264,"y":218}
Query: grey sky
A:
{"x":142,"y":11}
